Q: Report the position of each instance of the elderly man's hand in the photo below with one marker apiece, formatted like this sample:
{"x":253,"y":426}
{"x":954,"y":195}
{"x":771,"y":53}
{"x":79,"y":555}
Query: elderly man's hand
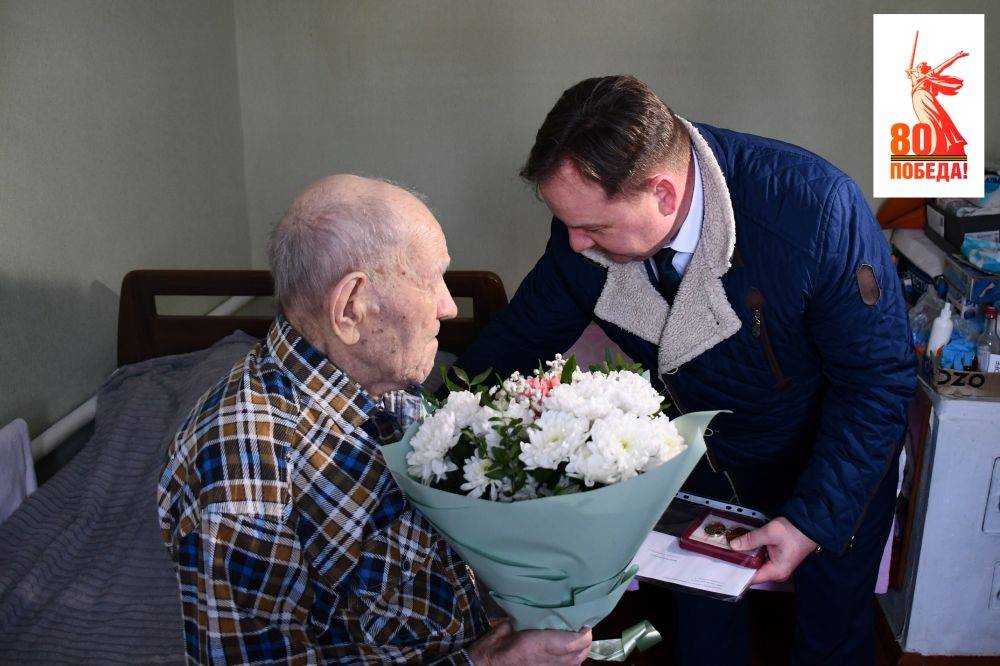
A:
{"x":786,"y":548}
{"x":503,"y":646}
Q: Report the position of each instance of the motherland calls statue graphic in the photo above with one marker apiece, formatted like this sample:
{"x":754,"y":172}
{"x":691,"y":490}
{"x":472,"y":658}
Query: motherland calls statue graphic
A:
{"x":926,"y":84}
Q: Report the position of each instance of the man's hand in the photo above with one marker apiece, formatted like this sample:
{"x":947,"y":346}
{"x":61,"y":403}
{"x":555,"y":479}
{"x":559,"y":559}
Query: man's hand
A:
{"x":503,"y":646}
{"x":786,"y":548}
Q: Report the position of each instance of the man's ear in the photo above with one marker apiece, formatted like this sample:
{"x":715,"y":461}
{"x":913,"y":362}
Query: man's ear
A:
{"x":348,"y":303}
{"x":663,"y":186}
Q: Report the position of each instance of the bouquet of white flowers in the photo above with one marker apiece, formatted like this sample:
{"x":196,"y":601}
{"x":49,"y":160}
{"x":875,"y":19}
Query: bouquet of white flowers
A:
{"x":547,"y":485}
{"x":561,"y":431}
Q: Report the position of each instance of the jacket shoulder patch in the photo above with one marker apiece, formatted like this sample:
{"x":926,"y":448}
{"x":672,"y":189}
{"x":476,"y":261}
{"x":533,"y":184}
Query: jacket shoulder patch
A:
{"x":868,"y":285}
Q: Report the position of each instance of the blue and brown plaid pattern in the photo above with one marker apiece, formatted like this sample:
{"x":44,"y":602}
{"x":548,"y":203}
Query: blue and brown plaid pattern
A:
{"x":292,"y":542}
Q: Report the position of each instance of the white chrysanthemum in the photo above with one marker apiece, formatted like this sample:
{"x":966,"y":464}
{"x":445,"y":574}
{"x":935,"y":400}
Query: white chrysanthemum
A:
{"x":430,"y":470}
{"x":481,"y":423}
{"x":595,"y":395}
{"x":476,"y":482}
{"x":518,"y":409}
{"x":469,"y":414}
{"x":664,"y":441}
{"x":631,"y":393}
{"x":555,"y":436}
{"x":464,"y":405}
{"x":586,"y":397}
{"x":430,"y":445}
{"x":591,"y":467}
{"x":617,"y":450}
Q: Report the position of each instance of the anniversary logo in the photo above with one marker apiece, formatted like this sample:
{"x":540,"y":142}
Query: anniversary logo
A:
{"x":935,"y":146}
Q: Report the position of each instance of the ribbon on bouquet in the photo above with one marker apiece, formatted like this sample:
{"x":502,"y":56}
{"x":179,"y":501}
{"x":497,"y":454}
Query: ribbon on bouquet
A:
{"x":642,"y":636}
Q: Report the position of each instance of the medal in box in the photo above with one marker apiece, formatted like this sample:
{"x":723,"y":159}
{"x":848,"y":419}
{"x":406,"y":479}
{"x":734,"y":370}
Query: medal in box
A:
{"x":711,"y":533}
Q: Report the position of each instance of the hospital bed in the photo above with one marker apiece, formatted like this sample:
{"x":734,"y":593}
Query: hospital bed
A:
{"x":84,"y":576}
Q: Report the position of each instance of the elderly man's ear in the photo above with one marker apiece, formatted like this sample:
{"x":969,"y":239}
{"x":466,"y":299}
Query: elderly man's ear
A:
{"x":349,"y":303}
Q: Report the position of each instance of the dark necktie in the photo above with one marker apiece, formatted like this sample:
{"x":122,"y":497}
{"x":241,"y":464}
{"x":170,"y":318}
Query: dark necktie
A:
{"x":668,"y":279}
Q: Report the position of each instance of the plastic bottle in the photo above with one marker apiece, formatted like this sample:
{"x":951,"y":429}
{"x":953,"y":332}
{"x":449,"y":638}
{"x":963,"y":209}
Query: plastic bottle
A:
{"x":988,"y":351}
{"x":940,"y":331}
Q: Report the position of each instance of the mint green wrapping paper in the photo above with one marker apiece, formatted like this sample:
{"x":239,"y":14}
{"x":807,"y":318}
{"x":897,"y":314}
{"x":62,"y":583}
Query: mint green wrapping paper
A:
{"x":555,"y":562}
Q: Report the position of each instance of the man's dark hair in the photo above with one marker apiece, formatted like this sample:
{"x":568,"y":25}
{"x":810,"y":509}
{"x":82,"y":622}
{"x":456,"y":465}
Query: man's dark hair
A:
{"x":614,"y":129}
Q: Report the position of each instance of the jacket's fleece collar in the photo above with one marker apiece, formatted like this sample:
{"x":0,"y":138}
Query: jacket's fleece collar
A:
{"x":701,"y":316}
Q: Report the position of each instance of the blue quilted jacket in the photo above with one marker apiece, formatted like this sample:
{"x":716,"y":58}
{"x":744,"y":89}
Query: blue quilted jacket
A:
{"x":819,"y":375}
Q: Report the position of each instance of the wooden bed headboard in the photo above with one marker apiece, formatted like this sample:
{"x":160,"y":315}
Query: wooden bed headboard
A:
{"x":143,"y":333}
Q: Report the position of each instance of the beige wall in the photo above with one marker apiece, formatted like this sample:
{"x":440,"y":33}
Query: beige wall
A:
{"x":129,"y":127}
{"x":447,"y":95}
{"x":120,"y":148}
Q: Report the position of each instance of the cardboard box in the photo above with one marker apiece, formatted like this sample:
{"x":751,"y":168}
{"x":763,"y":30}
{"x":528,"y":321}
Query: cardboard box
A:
{"x":972,"y":284}
{"x":965,"y":384}
{"x":952,"y":230}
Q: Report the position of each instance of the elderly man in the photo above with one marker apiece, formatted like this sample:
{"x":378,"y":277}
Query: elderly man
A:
{"x":292,"y":542}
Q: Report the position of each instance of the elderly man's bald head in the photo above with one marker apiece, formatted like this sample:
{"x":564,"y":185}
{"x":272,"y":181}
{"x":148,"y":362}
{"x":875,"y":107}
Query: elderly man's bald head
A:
{"x":339,"y":224}
{"x":345,"y":188}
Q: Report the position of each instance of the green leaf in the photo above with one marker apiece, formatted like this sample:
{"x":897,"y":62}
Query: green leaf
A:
{"x":567,"y":373}
{"x":481,"y":377}
{"x":452,"y":387}
{"x":496,"y":474}
{"x":460,"y":374}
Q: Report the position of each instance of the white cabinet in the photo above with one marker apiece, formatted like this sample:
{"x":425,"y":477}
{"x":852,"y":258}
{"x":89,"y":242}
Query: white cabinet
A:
{"x":949,"y":603}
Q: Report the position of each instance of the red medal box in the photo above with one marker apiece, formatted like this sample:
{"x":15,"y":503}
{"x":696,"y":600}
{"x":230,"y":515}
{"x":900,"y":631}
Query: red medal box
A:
{"x":710,"y":535}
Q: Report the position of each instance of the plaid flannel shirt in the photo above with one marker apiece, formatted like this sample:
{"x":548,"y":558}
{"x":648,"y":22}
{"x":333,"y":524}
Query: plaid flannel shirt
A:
{"x":292,"y":543}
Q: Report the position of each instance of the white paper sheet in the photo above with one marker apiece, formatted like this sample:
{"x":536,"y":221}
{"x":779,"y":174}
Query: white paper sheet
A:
{"x":662,"y":558}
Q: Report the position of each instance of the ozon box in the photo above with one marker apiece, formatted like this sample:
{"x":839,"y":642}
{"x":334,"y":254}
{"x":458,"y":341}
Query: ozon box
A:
{"x":965,"y":384}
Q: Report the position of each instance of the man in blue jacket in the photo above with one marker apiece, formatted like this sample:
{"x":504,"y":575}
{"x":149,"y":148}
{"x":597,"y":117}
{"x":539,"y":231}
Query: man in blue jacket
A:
{"x":748,"y":275}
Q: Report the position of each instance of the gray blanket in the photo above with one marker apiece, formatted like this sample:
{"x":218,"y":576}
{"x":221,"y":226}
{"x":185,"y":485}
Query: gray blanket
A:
{"x":84,"y":576}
